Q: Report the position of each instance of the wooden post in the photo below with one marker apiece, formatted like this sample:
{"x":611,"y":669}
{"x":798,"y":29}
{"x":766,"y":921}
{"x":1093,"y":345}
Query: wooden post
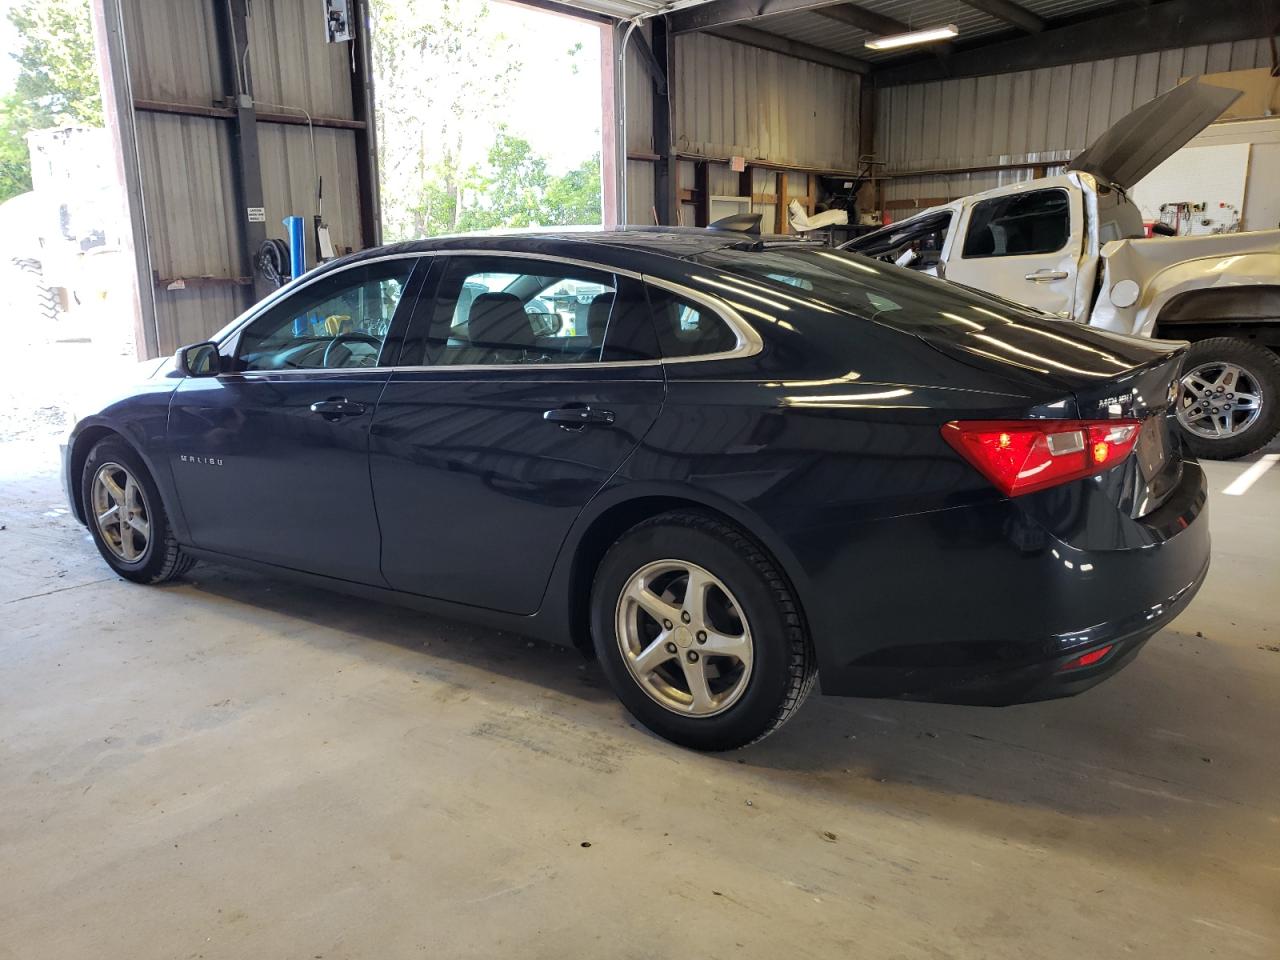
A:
{"x":783,"y":221}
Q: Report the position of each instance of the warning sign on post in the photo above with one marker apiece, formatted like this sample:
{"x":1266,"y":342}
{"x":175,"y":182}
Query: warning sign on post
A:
{"x":257,"y":214}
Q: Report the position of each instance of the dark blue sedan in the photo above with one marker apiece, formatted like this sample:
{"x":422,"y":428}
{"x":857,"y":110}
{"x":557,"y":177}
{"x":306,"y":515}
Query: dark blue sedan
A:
{"x":721,"y":462}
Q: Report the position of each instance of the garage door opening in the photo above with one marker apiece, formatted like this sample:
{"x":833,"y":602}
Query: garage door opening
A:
{"x":488,"y":116}
{"x":66,"y":271}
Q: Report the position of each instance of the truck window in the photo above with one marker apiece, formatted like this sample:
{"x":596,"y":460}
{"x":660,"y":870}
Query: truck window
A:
{"x":916,"y":244}
{"x":1018,"y":225}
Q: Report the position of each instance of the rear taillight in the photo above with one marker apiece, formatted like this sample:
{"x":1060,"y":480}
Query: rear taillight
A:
{"x":1022,"y":456}
{"x":1087,"y":659}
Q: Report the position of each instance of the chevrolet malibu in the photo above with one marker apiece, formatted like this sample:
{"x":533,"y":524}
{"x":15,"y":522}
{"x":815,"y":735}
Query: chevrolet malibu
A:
{"x":748,"y":464}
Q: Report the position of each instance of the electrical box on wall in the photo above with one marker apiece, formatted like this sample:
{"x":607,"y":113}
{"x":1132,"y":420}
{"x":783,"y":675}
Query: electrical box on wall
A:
{"x":337,"y":20}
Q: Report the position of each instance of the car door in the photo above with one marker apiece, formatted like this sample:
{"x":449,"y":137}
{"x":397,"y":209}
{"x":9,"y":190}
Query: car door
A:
{"x":271,"y":456}
{"x":512,"y":408}
{"x":1024,"y":246}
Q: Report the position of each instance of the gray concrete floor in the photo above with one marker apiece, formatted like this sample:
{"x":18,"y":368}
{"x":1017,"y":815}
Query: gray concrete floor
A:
{"x":230,"y":767}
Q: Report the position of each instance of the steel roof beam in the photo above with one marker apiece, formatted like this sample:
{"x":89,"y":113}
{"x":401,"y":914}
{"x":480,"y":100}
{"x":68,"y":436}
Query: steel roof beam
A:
{"x":1161,"y":26}
{"x":1010,"y":13}
{"x":791,"y":48}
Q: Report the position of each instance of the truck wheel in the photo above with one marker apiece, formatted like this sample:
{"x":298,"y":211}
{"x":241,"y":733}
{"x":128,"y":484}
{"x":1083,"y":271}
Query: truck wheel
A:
{"x":1229,"y":399}
{"x":36,"y":297}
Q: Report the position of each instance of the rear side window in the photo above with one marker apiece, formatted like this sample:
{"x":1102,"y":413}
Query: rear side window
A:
{"x":507,"y":310}
{"x":1019,"y":225}
{"x":687,"y":329}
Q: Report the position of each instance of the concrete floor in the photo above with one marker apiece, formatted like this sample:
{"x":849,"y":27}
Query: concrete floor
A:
{"x":230,"y":767}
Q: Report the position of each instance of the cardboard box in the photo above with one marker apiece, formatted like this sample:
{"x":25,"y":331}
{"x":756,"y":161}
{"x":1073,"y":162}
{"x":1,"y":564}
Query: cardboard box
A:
{"x":1261,"y":92}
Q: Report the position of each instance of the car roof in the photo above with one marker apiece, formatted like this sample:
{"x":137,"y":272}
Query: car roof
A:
{"x":674,"y":242}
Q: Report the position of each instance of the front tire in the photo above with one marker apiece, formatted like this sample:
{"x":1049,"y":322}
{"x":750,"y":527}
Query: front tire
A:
{"x":1229,"y":398}
{"x":698,"y":632}
{"x":126,"y":516}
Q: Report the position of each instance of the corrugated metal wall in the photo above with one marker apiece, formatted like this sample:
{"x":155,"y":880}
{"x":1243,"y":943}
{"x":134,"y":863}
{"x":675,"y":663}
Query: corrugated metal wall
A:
{"x":735,"y":100}
{"x":187,"y":171}
{"x":1032,"y":116}
{"x":730,"y":99}
{"x":640,"y":173}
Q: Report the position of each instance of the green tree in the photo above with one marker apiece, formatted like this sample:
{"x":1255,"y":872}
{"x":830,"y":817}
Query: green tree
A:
{"x":57,"y":63}
{"x":442,"y":69}
{"x":514,"y":189}
{"x":510,"y":190}
{"x":575,"y":197}
{"x":57,"y":81}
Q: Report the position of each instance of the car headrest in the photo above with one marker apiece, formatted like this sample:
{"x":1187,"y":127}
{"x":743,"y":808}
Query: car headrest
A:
{"x":499,"y":320}
{"x":598,"y":317}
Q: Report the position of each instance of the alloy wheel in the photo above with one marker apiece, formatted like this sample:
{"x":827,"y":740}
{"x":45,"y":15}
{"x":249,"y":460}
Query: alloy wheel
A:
{"x":120,"y":512}
{"x":1218,"y":399}
{"x":684,"y":638}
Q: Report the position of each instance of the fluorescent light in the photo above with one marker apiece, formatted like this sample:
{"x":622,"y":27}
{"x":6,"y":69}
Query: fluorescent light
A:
{"x":914,"y":37}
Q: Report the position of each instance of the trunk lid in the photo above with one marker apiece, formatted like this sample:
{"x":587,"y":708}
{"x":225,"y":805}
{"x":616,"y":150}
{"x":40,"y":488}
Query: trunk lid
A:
{"x":1145,"y":138}
{"x":1101,"y":375}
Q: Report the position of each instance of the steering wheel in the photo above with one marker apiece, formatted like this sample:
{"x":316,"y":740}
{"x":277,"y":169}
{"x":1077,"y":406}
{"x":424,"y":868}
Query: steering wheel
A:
{"x":349,"y":337}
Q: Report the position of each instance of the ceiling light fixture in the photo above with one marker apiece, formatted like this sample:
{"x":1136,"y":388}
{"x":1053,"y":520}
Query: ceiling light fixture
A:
{"x":931,"y":35}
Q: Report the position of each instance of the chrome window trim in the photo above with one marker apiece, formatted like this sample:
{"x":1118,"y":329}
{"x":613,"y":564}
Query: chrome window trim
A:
{"x":748,"y":343}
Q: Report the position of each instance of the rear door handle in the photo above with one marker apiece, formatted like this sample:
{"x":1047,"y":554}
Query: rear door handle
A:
{"x":1046,"y":276}
{"x":337,"y":407}
{"x":576,"y":417}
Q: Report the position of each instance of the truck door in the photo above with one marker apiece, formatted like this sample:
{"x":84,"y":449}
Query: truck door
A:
{"x":1024,"y":246}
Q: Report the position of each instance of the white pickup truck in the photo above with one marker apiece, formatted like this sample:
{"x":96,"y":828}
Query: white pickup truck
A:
{"x":1073,"y":245}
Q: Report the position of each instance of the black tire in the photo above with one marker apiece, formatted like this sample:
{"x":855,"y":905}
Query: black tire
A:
{"x":39,"y":298}
{"x":783,"y":669}
{"x":161,"y":559}
{"x":1263,"y":367}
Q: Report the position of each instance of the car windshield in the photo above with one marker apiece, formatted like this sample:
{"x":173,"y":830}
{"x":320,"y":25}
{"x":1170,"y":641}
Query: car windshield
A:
{"x":894,"y":296}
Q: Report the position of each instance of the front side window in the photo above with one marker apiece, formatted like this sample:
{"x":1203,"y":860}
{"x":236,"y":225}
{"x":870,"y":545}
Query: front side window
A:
{"x":338,"y":321}
{"x":1019,"y":225}
{"x":917,"y":244}
{"x":509,"y":310}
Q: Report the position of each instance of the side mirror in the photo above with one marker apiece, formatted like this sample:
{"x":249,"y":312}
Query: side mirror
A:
{"x":199,"y":360}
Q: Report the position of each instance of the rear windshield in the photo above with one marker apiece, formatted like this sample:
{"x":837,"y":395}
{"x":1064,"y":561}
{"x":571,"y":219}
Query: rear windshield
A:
{"x":897,"y":297}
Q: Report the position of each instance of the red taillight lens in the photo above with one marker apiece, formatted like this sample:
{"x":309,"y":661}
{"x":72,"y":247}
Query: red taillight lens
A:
{"x":1022,"y":456}
{"x":1086,"y":659}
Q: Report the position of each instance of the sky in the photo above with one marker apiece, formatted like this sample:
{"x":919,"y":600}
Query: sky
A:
{"x":557,"y":111}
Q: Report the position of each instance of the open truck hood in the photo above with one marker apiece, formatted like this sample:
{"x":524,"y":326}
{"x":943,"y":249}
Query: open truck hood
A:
{"x":1147,"y":137}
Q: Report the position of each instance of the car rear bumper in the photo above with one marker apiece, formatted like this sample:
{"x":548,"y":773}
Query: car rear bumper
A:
{"x":997,"y":623}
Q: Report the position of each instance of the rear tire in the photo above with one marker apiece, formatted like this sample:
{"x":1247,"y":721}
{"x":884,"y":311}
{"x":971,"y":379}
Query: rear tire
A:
{"x":1229,"y":399}
{"x":126,"y":517}
{"x":740,"y":631}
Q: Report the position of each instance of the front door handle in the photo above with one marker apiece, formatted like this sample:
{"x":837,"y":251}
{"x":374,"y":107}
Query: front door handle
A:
{"x":1046,"y":276}
{"x":577,"y":416}
{"x":336,"y":407}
